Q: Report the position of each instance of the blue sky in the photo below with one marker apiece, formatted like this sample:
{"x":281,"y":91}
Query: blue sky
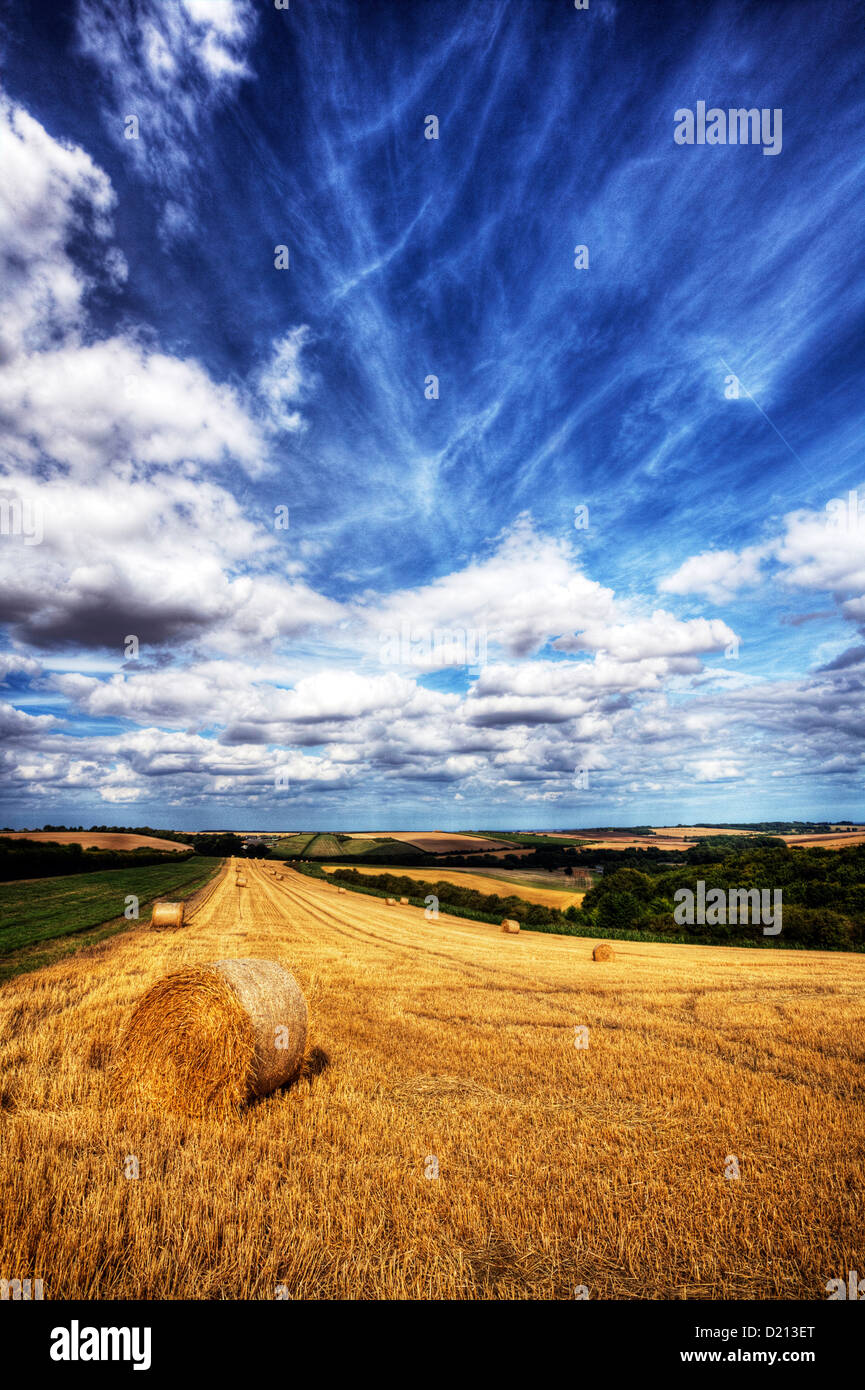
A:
{"x":436,"y":637}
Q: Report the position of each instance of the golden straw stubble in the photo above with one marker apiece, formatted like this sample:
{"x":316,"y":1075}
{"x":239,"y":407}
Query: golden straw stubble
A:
{"x":213,"y":1037}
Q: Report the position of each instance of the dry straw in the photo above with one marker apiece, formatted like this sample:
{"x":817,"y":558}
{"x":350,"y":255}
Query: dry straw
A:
{"x":213,"y":1037}
{"x":510,"y":926}
{"x":603,"y":952}
{"x":167,"y":915}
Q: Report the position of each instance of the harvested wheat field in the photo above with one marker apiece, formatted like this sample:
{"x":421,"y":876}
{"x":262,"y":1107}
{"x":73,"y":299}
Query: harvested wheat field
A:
{"x":445,"y":841}
{"x":559,"y":1164}
{"x":695,"y":832}
{"x":835,"y":840}
{"x":94,"y":839}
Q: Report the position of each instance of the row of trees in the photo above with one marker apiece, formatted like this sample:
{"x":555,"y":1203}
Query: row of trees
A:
{"x":777,"y":827}
{"x":451,"y":895}
{"x":182,"y":836}
{"x":45,"y":859}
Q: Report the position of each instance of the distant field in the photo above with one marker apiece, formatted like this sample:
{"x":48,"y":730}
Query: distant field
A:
{"x":832,"y":841}
{"x":356,"y":845}
{"x":695,"y":832}
{"x":442,"y":841}
{"x":44,"y":909}
{"x":496,"y":881}
{"x":527,"y":840}
{"x":322,"y":846}
{"x":556,"y":881}
{"x":292,"y":845}
{"x":682,"y":837}
{"x":835,"y":839}
{"x":93,"y":840}
{"x":611,"y":841}
{"x":513,"y":851}
{"x":334,"y":846}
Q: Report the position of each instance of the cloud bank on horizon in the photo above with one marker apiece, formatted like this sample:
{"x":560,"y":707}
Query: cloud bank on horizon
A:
{"x":339,"y":486}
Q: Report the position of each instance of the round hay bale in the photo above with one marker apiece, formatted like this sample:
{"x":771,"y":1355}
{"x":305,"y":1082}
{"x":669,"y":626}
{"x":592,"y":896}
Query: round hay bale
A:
{"x":403,"y":900}
{"x":603,"y":951}
{"x":167,"y":915}
{"x":392,"y":902}
{"x":213,"y":1037}
{"x":510,"y":926}
{"x":240,"y":881}
{"x":340,"y":890}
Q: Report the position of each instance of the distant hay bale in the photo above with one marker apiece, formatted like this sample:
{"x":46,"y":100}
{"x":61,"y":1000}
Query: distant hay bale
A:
{"x":403,"y":900}
{"x":603,"y":951}
{"x":213,"y":1037}
{"x":510,"y":926}
{"x":167,"y":915}
{"x":340,"y":890}
{"x":240,"y":881}
{"x":392,"y":902}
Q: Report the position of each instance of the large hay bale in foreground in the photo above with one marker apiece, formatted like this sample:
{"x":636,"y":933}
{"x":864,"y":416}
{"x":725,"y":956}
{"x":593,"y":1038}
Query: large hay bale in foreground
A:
{"x":214,"y":1036}
{"x":603,"y":951}
{"x":510,"y":926}
{"x":167,"y":915}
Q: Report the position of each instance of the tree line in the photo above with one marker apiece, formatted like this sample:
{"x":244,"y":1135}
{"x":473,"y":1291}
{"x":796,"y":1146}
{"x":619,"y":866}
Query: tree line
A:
{"x":46,"y":859}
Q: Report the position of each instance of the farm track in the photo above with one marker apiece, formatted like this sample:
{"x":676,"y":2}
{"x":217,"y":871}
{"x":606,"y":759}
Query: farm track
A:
{"x":446,"y":1041}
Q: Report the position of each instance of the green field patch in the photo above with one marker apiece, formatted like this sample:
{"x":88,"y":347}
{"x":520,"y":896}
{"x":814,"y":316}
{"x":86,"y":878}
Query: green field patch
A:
{"x":290,"y":846}
{"x":529,"y":841}
{"x":324,"y":845}
{"x":44,"y":909}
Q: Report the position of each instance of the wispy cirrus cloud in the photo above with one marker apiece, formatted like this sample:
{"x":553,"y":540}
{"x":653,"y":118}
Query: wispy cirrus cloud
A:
{"x":169,"y":67}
